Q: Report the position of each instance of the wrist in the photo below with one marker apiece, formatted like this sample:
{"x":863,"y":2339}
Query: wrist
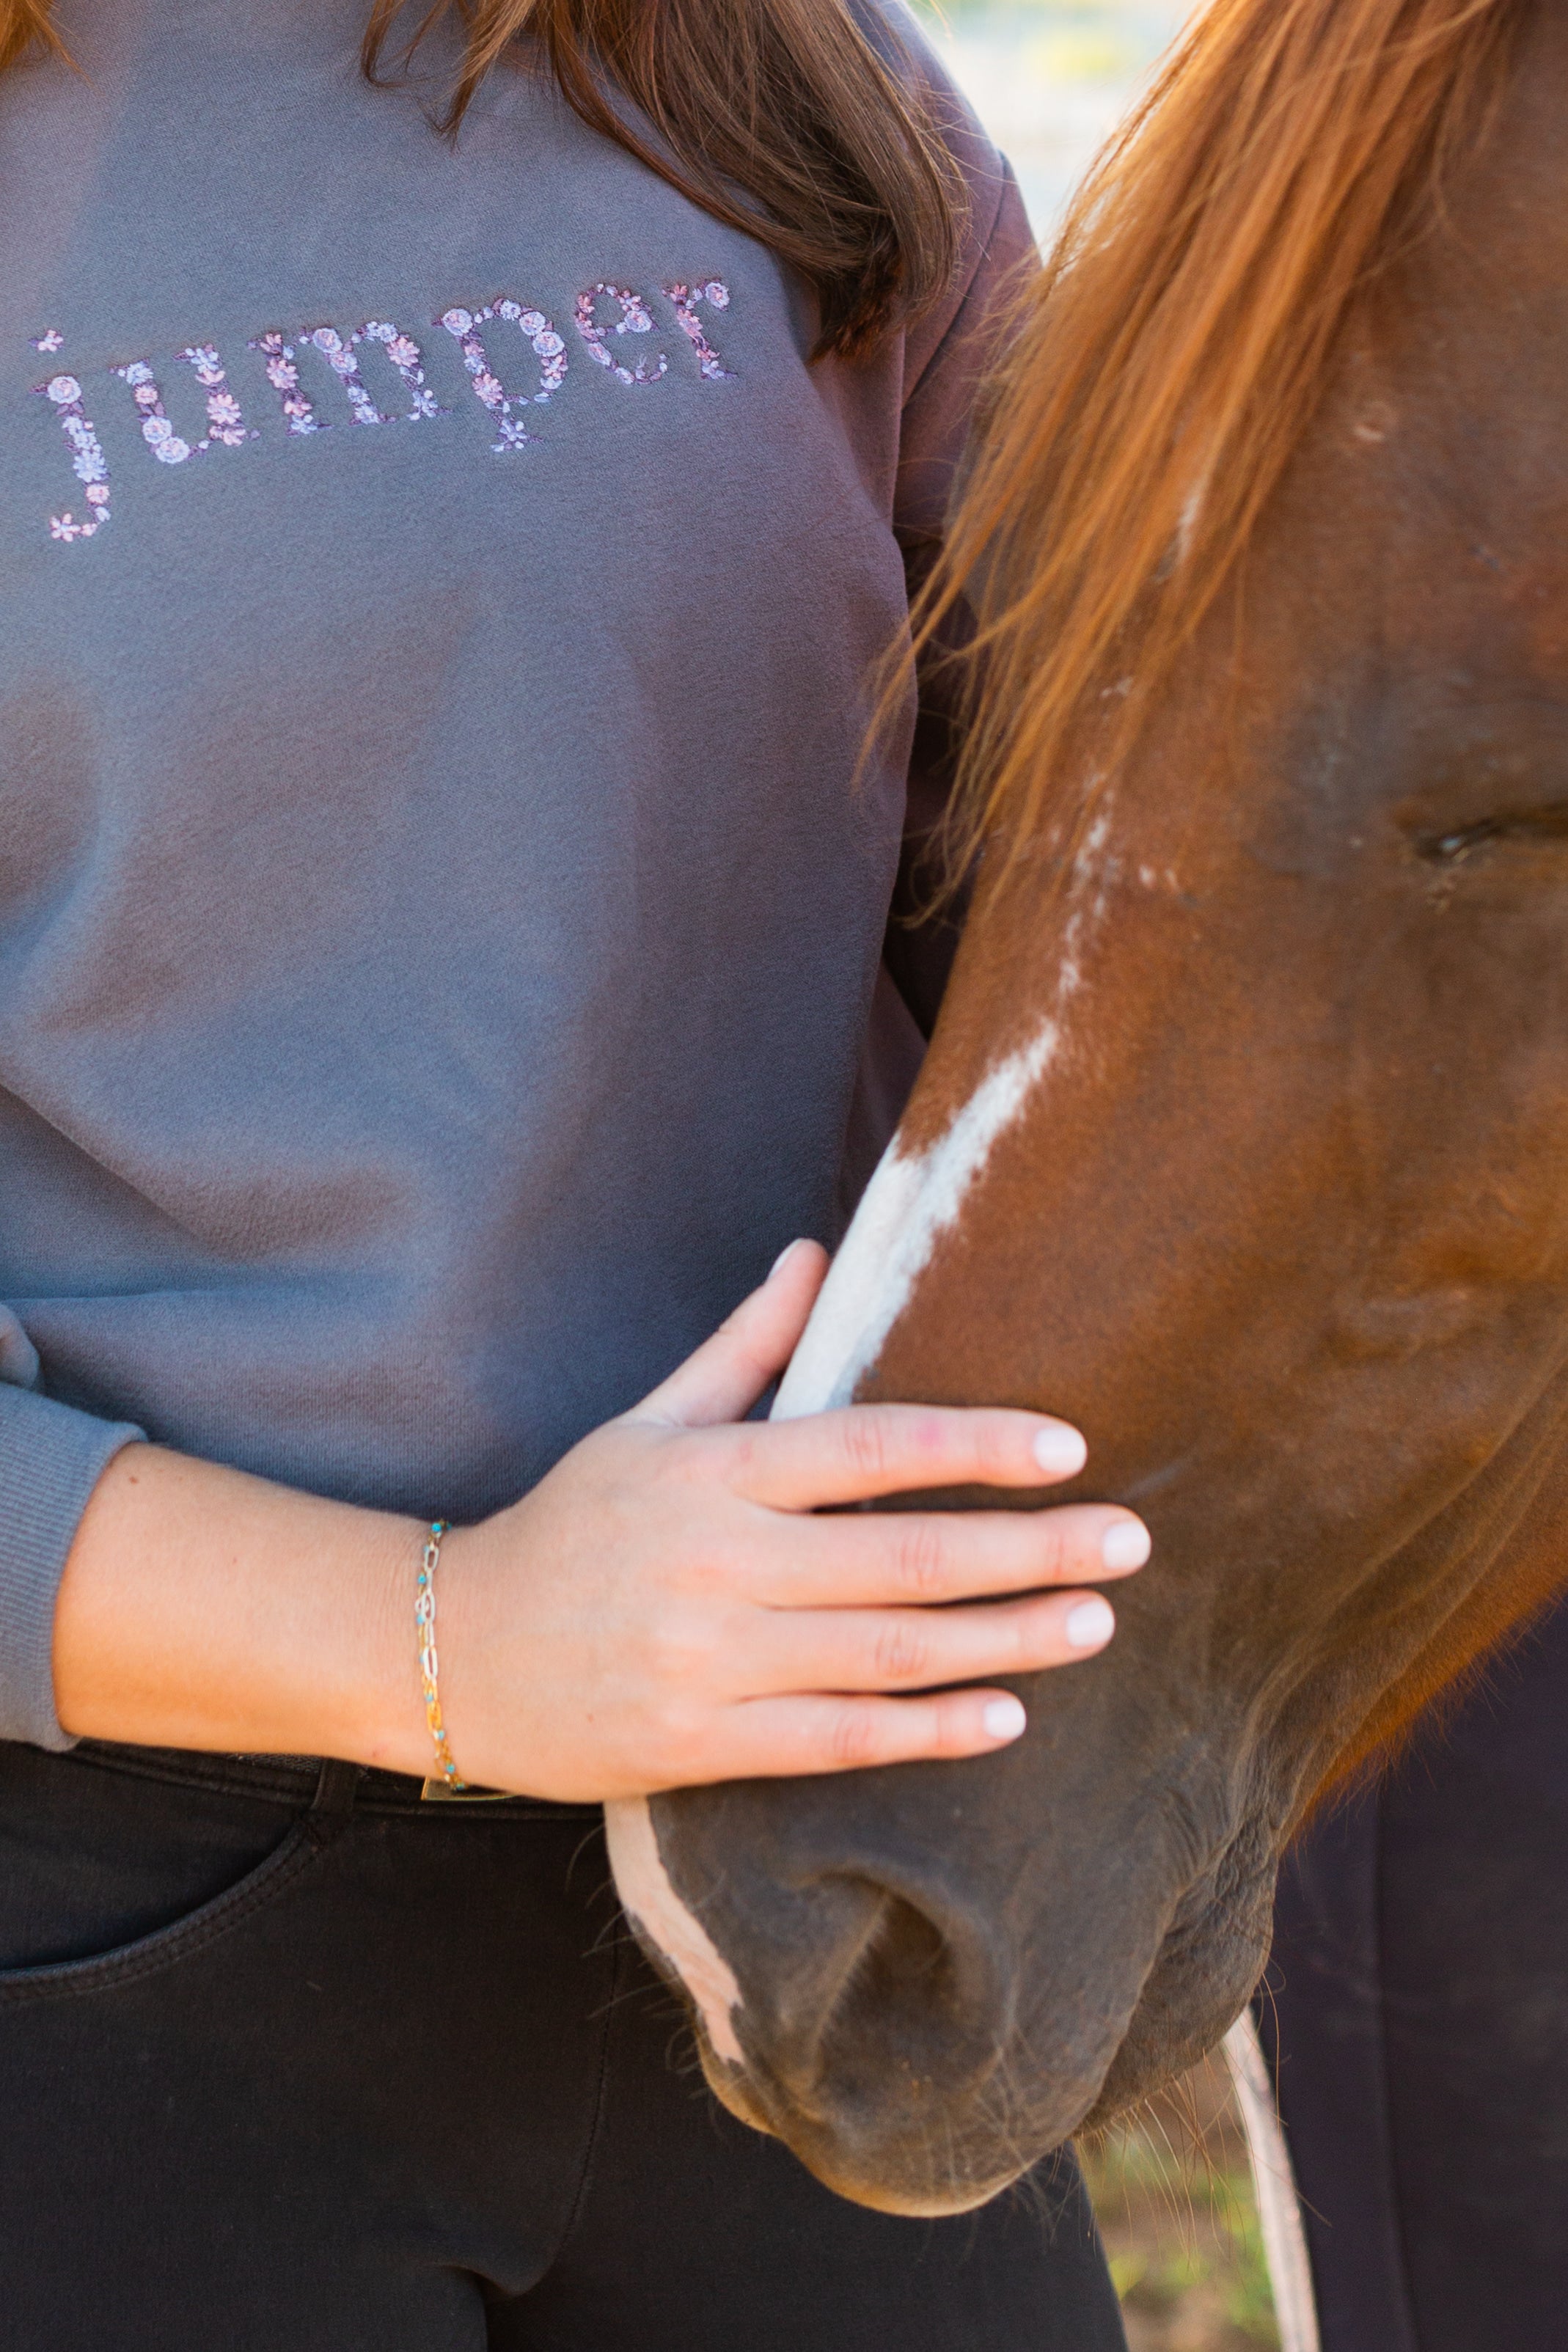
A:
{"x":203,"y":1608}
{"x":367,"y":1698}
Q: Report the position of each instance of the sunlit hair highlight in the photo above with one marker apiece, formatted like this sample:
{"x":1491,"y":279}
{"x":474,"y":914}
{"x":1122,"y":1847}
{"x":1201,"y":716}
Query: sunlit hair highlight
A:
{"x":779,"y":117}
{"x":1169,"y":360}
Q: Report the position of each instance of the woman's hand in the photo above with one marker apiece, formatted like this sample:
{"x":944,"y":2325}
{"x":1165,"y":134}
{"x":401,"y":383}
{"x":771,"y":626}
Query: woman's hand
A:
{"x":665,"y":1608}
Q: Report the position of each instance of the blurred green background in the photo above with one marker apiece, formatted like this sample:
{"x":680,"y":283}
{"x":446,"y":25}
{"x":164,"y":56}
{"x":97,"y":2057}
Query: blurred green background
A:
{"x":1173,"y":2193}
{"x":1051,"y":77}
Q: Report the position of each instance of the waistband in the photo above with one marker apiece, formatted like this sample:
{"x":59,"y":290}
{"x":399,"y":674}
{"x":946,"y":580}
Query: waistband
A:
{"x":306,"y":1781}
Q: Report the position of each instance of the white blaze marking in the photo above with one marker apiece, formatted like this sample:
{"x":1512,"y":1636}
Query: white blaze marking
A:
{"x":911,"y":1201}
{"x":909,"y":1204}
{"x":649,"y":1898}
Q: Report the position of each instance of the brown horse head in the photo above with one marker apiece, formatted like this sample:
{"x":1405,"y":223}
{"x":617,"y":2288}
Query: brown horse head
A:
{"x":1243,"y":1141}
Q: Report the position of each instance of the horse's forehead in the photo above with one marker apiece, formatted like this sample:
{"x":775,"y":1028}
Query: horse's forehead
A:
{"x":933,"y":1172}
{"x":911,"y":1201}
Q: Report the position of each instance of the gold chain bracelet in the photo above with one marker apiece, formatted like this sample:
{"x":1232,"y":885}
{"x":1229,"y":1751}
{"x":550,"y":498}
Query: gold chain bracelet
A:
{"x":448,"y":1783}
{"x":451,"y":1782}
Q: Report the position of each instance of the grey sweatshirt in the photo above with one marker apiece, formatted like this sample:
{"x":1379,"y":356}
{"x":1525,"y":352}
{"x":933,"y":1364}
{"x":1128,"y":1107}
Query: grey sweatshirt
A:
{"x":439,"y":923}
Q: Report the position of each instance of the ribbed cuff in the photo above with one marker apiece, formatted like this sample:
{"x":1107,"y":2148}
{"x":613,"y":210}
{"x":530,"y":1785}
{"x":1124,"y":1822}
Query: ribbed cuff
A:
{"x":51,"y":1458}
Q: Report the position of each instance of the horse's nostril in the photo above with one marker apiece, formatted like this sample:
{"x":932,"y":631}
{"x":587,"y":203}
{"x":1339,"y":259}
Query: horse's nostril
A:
{"x":910,"y":2005}
{"x":906,"y":1958}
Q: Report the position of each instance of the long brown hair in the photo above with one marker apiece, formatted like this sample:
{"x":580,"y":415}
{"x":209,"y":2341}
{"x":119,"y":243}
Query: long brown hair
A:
{"x":1170,"y":359}
{"x":778,"y":116}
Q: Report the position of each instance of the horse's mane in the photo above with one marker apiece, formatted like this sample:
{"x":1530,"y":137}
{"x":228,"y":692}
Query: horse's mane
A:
{"x":1171,"y":358}
{"x":26,"y":26}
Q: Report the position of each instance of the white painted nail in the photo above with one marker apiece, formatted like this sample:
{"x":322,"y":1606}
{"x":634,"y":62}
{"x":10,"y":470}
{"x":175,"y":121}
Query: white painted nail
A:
{"x":783,"y":1258}
{"x":1090,"y":1625}
{"x":1125,"y":1544}
{"x":1061,"y":1451}
{"x":1004,"y":1718}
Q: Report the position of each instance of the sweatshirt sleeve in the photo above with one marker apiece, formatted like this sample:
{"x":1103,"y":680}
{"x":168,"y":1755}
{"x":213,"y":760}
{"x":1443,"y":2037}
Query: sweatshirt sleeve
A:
{"x":51,"y":1457}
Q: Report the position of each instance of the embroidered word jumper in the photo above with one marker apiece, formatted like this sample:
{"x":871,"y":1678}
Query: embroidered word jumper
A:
{"x":223,"y":421}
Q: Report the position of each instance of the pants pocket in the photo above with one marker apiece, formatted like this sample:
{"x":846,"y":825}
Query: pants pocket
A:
{"x":108,"y":1873}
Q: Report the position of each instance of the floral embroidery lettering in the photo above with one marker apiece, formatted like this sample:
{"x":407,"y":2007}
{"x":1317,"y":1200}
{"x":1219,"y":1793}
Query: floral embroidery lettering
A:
{"x":716,"y":294}
{"x":487,"y":386}
{"x":226,"y":428}
{"x":408,"y":360}
{"x":281,"y":362}
{"x":551,"y":352}
{"x":284,"y":377}
{"x":635,"y":319}
{"x":88,"y":462}
{"x":340,"y":358}
{"x":225,"y":423}
{"x":156,"y":430}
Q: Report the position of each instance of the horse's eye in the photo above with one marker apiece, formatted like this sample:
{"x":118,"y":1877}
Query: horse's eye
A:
{"x":1447,"y":848}
{"x":1539,"y":825}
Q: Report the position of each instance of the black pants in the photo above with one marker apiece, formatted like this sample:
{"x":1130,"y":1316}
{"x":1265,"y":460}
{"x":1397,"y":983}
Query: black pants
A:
{"x":289,"y":2063}
{"x":1421,"y":1972}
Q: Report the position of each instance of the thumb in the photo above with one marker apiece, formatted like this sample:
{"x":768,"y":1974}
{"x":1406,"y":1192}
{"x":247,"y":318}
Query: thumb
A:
{"x":724,"y":1378}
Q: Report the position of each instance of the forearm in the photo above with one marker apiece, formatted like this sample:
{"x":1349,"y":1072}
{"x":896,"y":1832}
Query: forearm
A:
{"x":671,"y":1603}
{"x":202,"y":1608}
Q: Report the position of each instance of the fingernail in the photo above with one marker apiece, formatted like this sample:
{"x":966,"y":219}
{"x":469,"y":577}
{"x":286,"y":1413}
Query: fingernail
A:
{"x":1125,"y":1544}
{"x":787,"y":1252}
{"x":1060,"y":1450}
{"x":1090,"y":1625}
{"x":1004,"y":1718}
